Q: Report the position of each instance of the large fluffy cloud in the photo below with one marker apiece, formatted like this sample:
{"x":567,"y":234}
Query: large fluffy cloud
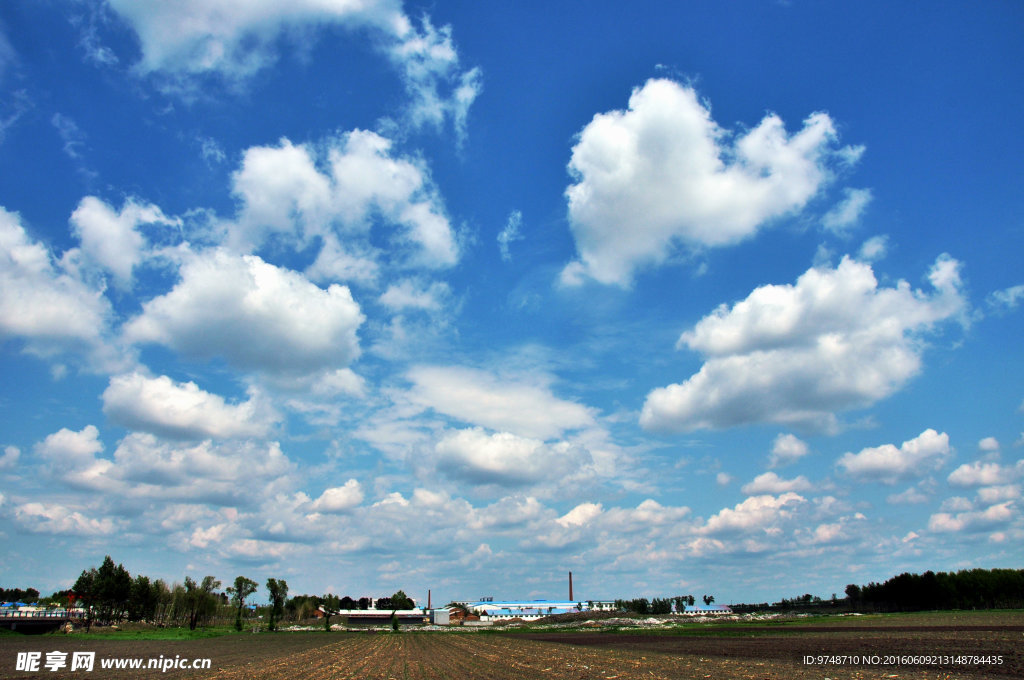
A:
{"x":763,"y":512}
{"x":663,"y":172}
{"x":43,"y":300}
{"x":474,"y":456}
{"x":796,"y":354}
{"x":53,"y":518}
{"x":255,"y":315}
{"x":517,"y":405}
{"x":145,"y":467}
{"x":285,"y":190}
{"x":889,"y":464}
{"x":182,"y":410}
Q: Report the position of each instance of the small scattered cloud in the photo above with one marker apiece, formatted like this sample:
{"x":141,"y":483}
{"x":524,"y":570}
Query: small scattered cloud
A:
{"x":988,"y":444}
{"x":786,"y":449}
{"x":340,"y":498}
{"x":10,"y":457}
{"x":510,"y":233}
{"x":409,"y":294}
{"x":847,"y":212}
{"x":1006,"y":299}
{"x":70,"y":134}
{"x":888,"y":464}
{"x":771,"y":483}
{"x":874,"y":249}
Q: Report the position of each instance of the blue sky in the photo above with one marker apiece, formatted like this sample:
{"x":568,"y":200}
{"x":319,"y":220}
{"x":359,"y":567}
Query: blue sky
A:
{"x":681,"y":297}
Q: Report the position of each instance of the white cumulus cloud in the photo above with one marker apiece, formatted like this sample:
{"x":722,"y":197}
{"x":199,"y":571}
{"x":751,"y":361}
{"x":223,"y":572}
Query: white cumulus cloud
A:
{"x":340,"y":498}
{"x":255,"y":315}
{"x":663,"y":173}
{"x":505,"y":459}
{"x":755,"y":513}
{"x":53,"y":518}
{"x":182,"y":410}
{"x":112,"y":239}
{"x":44,"y":301}
{"x":787,"y":448}
{"x":771,"y":483}
{"x":518,"y":405}
{"x":235,"y":40}
{"x":795,"y":354}
{"x":889,"y":464}
{"x":974,"y":520}
{"x":292,"y":191}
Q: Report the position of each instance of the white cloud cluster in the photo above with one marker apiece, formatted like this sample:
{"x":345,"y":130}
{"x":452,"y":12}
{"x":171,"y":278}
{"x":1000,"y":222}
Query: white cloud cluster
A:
{"x":409,"y":294}
{"x":182,"y":410}
{"x":254,"y":314}
{"x":235,"y":40}
{"x":889,"y":464}
{"x":506,"y":459}
{"x":430,"y":66}
{"x":284,"y":192}
{"x":764,"y":513}
{"x":112,"y":239}
{"x":663,"y":172}
{"x":146,"y":468}
{"x":199,"y":36}
{"x":340,"y":498}
{"x":519,"y":405}
{"x":43,"y":301}
{"x":795,"y":354}
{"x":53,"y":518}
{"x":972,"y":521}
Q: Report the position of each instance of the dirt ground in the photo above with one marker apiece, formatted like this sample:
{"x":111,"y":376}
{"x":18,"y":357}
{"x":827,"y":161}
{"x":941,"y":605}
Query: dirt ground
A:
{"x":733,"y":653}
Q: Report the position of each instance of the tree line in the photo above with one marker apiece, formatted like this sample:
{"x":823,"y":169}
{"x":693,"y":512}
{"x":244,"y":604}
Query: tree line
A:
{"x":110,"y":594}
{"x":660,"y":605}
{"x":18,"y":595}
{"x":965,"y":589}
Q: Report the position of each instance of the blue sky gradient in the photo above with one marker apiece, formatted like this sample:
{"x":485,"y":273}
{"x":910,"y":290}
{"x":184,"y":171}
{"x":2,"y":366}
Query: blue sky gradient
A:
{"x":681,"y":297}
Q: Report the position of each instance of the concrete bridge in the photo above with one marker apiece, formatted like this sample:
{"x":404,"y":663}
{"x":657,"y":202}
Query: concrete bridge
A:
{"x":38,"y":621}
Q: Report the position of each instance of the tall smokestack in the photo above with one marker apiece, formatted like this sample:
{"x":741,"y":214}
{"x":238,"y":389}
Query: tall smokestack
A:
{"x":428,"y":600}
{"x":570,"y":587}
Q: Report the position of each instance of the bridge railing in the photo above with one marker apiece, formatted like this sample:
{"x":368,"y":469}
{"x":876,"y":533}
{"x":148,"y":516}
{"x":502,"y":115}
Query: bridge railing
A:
{"x":43,"y":614}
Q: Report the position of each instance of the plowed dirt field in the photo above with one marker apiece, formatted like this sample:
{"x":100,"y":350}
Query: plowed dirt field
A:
{"x":750,"y":652}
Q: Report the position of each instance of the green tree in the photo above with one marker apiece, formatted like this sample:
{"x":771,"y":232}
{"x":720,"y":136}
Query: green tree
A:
{"x":242,"y":589}
{"x":401,"y":601}
{"x":145,"y":597}
{"x":106,"y":591}
{"x":85,"y":590}
{"x":709,"y":600}
{"x":331,"y":606}
{"x":278,"y":589}
{"x":200,"y":600}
